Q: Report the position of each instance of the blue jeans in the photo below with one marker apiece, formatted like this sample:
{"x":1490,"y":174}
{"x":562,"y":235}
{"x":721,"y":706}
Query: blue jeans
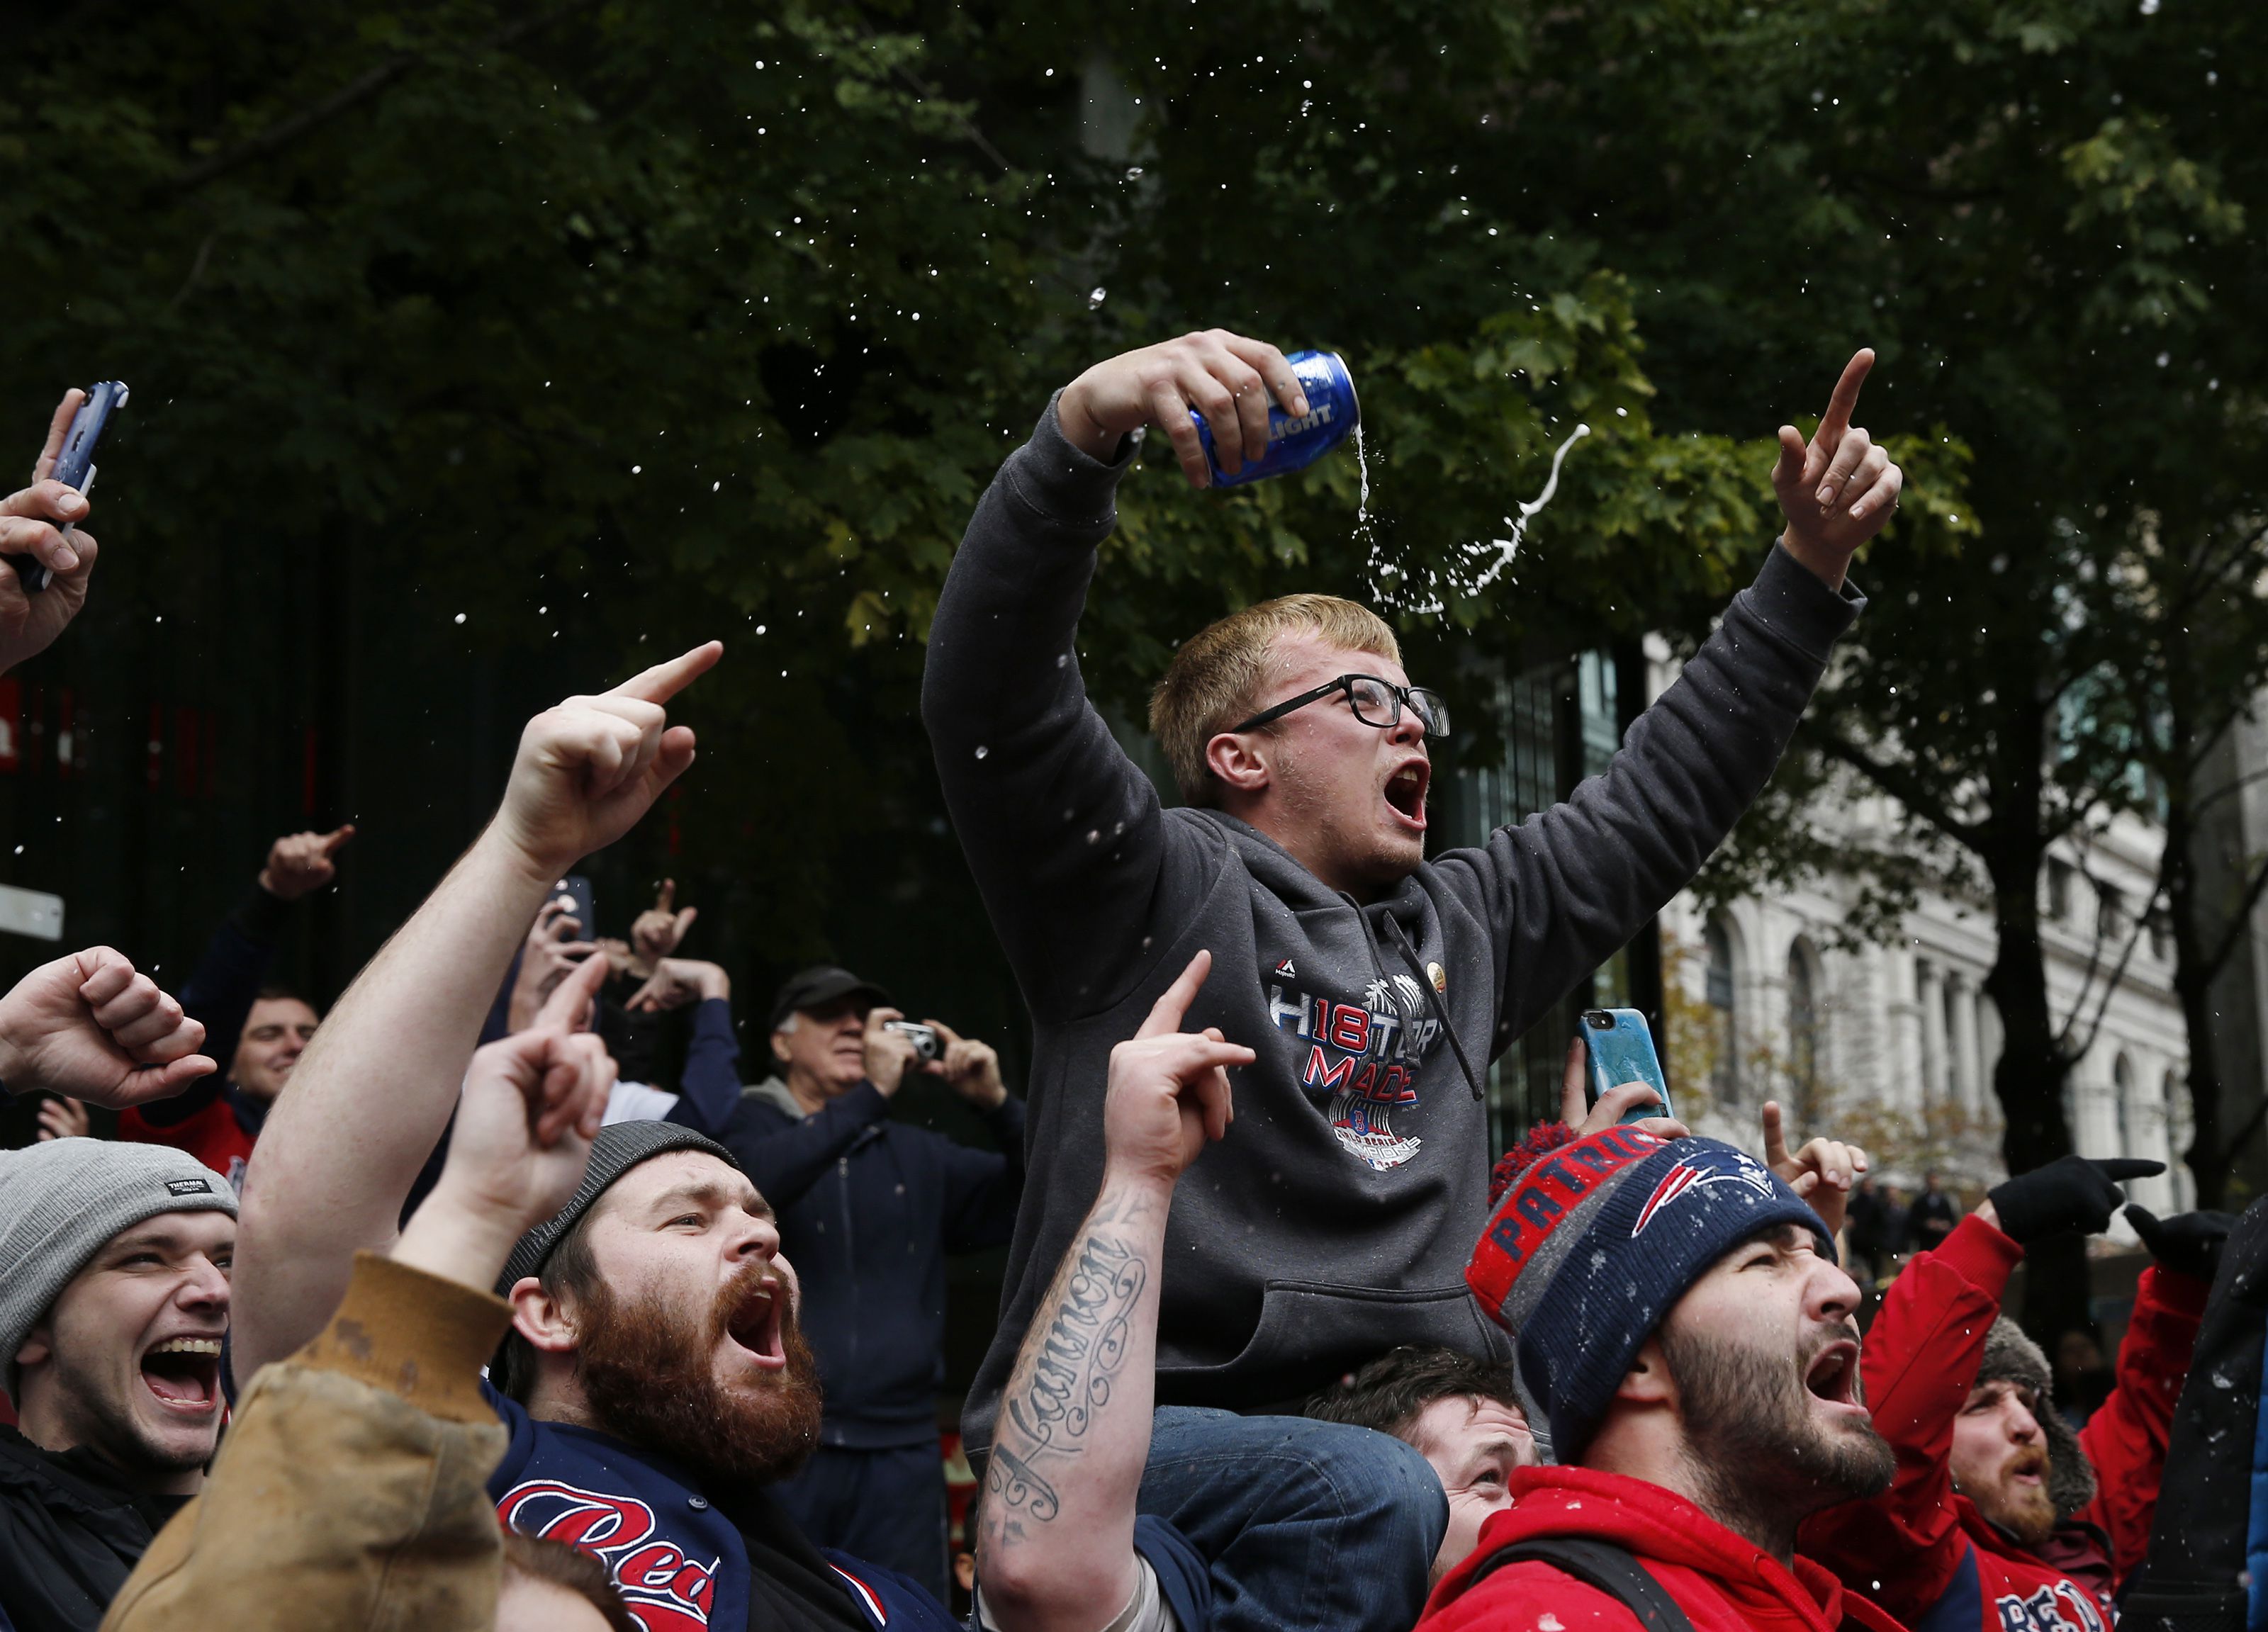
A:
{"x":887,"y":1507}
{"x":1305,"y":1524}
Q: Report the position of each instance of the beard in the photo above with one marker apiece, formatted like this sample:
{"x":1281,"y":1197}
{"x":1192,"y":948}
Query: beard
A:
{"x":2026,"y":1512}
{"x":648,"y":1372}
{"x":1761,"y":1457}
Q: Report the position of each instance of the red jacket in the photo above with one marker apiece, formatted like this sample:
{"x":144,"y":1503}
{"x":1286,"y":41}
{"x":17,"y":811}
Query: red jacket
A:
{"x":213,"y":1135}
{"x":1923,"y":1552}
{"x":1720,"y":1580}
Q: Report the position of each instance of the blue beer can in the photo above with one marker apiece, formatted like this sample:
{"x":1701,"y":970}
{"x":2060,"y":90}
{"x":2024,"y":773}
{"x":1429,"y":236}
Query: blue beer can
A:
{"x":1295,"y":442}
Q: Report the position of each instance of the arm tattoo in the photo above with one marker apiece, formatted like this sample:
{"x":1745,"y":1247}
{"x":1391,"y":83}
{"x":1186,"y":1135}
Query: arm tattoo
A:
{"x":1063,"y":1382}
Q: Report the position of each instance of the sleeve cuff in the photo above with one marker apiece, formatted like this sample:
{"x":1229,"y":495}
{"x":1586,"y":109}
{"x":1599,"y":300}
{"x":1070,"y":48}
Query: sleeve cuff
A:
{"x":713,"y":1018}
{"x":1980,"y":1253}
{"x":1068,"y":485}
{"x":1788,"y":599}
{"x":2178,"y":1294}
{"x":414,"y":1334}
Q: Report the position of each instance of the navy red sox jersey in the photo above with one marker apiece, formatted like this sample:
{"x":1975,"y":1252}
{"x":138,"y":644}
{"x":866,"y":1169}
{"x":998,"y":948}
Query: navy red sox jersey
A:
{"x":678,"y":1561}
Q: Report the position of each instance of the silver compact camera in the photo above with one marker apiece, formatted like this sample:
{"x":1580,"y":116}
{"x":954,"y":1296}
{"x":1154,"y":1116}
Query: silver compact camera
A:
{"x":927,"y":1044}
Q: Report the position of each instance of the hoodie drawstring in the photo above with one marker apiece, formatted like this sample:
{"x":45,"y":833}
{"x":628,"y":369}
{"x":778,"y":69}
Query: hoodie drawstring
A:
{"x":1401,"y":938}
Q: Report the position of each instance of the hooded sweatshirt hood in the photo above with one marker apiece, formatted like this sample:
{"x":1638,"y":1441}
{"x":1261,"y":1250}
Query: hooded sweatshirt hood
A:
{"x":1723,"y":1581}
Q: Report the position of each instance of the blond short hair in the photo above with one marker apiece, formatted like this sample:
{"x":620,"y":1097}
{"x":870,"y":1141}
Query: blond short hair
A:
{"x":1215,"y":679}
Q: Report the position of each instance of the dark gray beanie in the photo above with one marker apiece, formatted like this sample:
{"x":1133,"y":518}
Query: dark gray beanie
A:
{"x":2012,"y":1358}
{"x":61,"y":1201}
{"x":619,"y":1147}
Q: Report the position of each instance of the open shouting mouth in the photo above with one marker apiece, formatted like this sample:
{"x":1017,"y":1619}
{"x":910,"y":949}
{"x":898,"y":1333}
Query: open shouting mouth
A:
{"x":184,"y":1374}
{"x":753,"y":1327}
{"x":1405,"y":792}
{"x":1833,"y":1377}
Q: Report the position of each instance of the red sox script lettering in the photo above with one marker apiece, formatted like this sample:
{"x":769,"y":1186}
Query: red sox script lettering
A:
{"x":666,"y":1590}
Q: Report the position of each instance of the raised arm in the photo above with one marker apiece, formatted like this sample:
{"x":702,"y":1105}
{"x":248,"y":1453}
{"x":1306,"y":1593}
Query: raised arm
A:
{"x":1055,"y":1545}
{"x":1061,"y":830}
{"x":1571,"y":885}
{"x":377,"y":1084}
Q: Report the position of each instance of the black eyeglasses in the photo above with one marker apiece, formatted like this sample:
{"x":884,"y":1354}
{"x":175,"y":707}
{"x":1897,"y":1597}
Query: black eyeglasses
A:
{"x":1376,"y":701}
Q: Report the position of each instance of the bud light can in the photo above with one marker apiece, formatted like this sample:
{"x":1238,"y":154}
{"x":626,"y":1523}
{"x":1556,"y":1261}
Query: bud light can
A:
{"x":1295,"y":442}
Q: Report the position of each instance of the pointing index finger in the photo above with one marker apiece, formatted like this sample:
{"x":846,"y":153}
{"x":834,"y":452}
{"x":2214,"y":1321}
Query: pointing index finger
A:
{"x":1174,"y":1003}
{"x":665,"y":681}
{"x":1844,"y":402}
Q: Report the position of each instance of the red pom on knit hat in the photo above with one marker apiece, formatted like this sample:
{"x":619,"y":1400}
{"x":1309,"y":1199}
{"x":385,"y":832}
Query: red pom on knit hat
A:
{"x":1541,"y":1141}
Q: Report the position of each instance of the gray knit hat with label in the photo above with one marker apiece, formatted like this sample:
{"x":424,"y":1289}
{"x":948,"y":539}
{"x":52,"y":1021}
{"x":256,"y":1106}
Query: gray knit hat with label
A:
{"x":61,"y":1201}
{"x":619,"y":1147}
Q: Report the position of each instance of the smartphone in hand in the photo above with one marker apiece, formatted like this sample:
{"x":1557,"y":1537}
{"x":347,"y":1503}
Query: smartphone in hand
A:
{"x":1621,"y":1050}
{"x":75,"y":465}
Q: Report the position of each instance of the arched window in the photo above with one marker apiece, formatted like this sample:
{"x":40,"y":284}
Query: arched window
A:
{"x":2122,"y":1093}
{"x":1803,"y":1028}
{"x":2180,"y":1130}
{"x":1724,"y":1040}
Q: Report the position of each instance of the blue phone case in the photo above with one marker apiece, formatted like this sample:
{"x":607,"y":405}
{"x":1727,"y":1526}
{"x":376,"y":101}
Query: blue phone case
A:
{"x":1621,"y":1049}
{"x":75,"y":465}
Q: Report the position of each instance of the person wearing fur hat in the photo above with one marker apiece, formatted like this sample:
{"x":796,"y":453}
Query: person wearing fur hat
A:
{"x":2003,"y":1518}
{"x":1689,"y":1347}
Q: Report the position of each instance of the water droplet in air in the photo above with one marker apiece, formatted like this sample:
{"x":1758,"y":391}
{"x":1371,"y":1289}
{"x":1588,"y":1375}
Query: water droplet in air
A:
{"x":461,"y":617}
{"x":981,"y":752}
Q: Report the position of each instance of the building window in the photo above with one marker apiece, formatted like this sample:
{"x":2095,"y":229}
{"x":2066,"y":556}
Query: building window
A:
{"x":1725,"y":1043}
{"x":2058,"y":902}
{"x":2179,"y":1132}
{"x":1802,"y":1030}
{"x":2122,"y":1090}
{"x":2109,"y":913}
{"x":1949,"y":995}
{"x":2161,"y":937}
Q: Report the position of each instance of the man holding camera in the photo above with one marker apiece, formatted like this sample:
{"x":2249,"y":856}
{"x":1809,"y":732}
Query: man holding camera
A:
{"x":868,"y":1208}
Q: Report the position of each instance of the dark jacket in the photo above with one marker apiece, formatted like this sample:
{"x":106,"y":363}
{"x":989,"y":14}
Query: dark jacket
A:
{"x":70,"y":1535}
{"x":1335,"y":1220}
{"x":868,"y":1208}
{"x":213,"y":1119}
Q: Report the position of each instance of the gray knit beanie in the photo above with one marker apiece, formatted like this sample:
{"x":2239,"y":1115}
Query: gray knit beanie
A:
{"x":2012,"y":1358}
{"x":619,"y":1147}
{"x":61,"y":1201}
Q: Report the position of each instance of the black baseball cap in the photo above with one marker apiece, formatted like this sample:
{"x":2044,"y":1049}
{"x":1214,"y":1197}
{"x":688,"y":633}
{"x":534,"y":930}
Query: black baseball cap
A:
{"x":819,"y":985}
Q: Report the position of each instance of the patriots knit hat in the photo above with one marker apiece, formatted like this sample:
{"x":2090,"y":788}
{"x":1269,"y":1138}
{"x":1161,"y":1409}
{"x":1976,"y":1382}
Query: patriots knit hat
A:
{"x":619,"y":1147}
{"x":1595,"y":1242}
{"x":61,"y":1200}
{"x":2012,"y":1358}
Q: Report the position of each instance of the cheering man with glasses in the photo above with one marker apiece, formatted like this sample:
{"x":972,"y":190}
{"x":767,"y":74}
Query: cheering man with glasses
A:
{"x":1334,"y":1221}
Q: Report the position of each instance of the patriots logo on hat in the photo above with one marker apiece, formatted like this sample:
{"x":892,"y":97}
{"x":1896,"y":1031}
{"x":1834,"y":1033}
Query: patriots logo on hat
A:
{"x":1685,"y":1177}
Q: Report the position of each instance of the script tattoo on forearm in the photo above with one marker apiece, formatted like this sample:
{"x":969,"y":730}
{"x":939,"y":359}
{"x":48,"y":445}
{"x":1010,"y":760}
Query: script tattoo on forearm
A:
{"x":1063,"y":1384}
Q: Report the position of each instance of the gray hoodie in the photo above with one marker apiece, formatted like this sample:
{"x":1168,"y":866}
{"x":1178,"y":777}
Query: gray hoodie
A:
{"x":1335,"y":1220}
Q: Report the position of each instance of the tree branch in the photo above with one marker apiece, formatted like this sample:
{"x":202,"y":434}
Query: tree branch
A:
{"x":355,"y":91}
{"x":1904,"y":789}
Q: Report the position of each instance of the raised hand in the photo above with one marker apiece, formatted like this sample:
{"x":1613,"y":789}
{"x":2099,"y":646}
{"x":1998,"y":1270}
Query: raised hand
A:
{"x":2188,"y":1244}
{"x":1821,"y":1173}
{"x":1838,"y":489}
{"x":1224,"y":377}
{"x":550,"y":953}
{"x":1169,"y":1091}
{"x":587,"y":769}
{"x":530,"y":1106}
{"x":62,"y":1118}
{"x":1577,"y":1110}
{"x":657,"y":932}
{"x":676,"y":981}
{"x":31,"y":524}
{"x":89,"y":1027}
{"x":971,"y":1068}
{"x":300,"y":863}
{"x":889,"y":1053}
{"x":2069,"y":1195}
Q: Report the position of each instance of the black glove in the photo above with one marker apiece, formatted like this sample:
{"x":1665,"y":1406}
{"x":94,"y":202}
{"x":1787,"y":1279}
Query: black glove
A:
{"x":2187,"y":1243}
{"x":2070,"y":1195}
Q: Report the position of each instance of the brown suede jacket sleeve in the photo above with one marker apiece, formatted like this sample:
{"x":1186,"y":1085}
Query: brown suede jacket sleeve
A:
{"x":351,"y":1490}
